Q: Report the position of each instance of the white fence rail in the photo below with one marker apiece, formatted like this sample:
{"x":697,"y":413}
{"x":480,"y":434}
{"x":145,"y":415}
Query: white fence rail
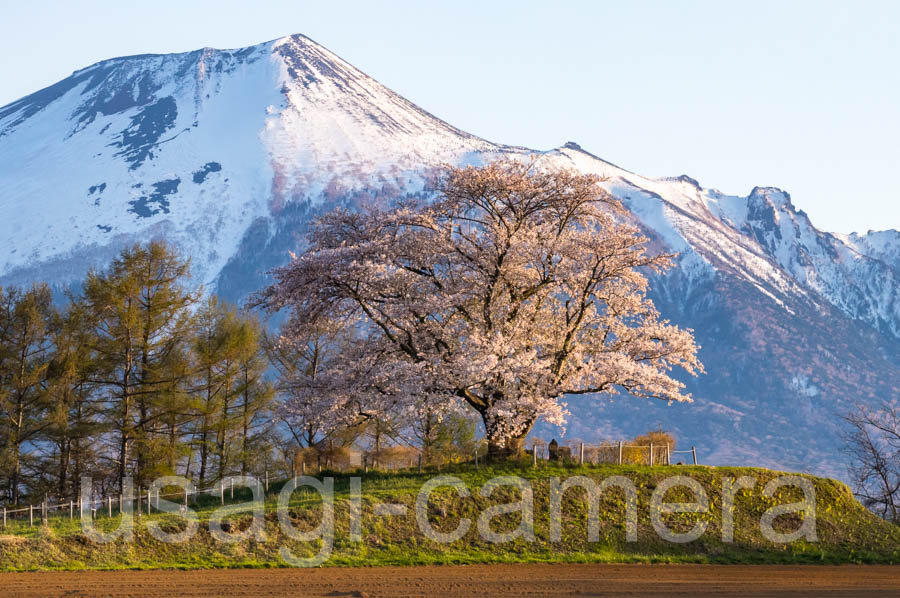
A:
{"x":615,"y":453}
{"x":141,"y":501}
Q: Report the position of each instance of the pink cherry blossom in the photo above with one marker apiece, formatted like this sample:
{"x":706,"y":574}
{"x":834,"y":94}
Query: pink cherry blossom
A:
{"x":513,"y":288}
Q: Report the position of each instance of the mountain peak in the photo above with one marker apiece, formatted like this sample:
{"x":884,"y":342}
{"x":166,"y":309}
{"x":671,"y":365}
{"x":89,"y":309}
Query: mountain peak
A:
{"x":228,"y":155}
{"x":772,"y":195}
{"x":145,"y":141}
{"x":296,"y":39}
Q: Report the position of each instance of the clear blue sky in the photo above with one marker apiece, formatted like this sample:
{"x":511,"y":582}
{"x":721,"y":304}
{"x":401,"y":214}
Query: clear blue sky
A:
{"x":799,"y":95}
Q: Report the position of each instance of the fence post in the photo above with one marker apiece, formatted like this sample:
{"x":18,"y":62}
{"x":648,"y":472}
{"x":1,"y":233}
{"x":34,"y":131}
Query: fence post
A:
{"x":581,"y":457}
{"x":222,"y":490}
{"x":185,"y":498}
{"x":71,"y":509}
{"x":668,"y":455}
{"x":232,"y":488}
{"x":4,"y":517}
{"x":651,"y":454}
{"x":534,"y":456}
{"x":31,"y":515}
{"x":420,"y":461}
{"x":267,"y":479}
{"x":109,"y":505}
{"x":620,"y":452}
{"x":365,"y":464}
{"x":694,"y":453}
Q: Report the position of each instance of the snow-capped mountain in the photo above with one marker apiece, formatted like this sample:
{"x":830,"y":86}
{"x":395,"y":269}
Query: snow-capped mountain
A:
{"x":228,"y":153}
{"x":197,"y":147}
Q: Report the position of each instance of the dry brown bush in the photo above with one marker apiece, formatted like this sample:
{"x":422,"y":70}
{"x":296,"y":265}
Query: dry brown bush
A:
{"x":637,"y":454}
{"x":339,"y":458}
{"x":394,"y":457}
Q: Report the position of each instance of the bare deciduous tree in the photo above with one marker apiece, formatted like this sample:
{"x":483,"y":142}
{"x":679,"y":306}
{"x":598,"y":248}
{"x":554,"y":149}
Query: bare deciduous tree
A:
{"x":873,"y":444}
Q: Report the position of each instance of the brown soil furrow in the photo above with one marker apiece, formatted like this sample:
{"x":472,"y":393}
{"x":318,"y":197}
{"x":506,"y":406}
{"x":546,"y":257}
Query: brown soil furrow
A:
{"x":481,"y":581}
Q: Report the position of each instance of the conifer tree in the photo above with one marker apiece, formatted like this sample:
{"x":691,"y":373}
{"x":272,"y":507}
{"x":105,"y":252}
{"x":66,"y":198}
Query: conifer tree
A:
{"x":215,"y":359}
{"x":231,"y":393}
{"x":141,"y":311}
{"x":256,"y":393}
{"x":25,"y":352}
{"x":74,"y":406}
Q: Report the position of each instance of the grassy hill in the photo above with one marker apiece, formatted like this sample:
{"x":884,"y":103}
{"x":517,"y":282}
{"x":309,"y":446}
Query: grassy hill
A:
{"x":846,"y":531}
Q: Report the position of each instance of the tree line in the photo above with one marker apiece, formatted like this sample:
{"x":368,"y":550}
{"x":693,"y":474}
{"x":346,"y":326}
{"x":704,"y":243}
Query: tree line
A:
{"x":515,"y":286}
{"x":138,"y":375}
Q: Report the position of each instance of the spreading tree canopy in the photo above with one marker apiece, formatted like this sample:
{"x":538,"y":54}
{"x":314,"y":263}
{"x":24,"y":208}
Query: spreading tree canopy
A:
{"x":514,"y":287}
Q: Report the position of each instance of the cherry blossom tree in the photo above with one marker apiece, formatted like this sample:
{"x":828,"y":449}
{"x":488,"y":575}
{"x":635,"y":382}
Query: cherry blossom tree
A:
{"x":516,"y":286}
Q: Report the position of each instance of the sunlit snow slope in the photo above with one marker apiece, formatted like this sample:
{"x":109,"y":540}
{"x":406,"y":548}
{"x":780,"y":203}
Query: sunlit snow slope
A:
{"x":229,"y":153}
{"x":196,"y":147}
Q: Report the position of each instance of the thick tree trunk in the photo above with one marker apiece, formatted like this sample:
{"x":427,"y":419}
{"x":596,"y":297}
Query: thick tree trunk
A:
{"x":76,"y":467}
{"x":17,"y":449}
{"x":173,"y":447}
{"x":14,"y":478}
{"x":245,"y":429}
{"x":221,"y":454}
{"x":203,"y":452}
{"x":64,"y":456}
{"x":500,"y":446}
{"x":123,"y":461}
{"x":510,"y":448}
{"x":142,"y":442}
{"x":126,"y":414}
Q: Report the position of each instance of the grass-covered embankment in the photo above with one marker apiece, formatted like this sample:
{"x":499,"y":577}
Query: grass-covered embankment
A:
{"x":845,"y":531}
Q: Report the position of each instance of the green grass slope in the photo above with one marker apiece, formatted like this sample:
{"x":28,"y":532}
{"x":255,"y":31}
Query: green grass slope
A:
{"x":846,"y":532}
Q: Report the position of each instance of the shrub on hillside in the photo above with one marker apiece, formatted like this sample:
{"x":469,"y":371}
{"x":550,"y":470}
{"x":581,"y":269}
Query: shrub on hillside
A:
{"x":637,"y":450}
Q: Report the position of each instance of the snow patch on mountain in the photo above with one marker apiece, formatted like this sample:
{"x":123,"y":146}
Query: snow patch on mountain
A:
{"x":125,"y":148}
{"x":228,"y":153}
{"x":801,"y":384}
{"x":881,"y":245}
{"x":111,"y":159}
